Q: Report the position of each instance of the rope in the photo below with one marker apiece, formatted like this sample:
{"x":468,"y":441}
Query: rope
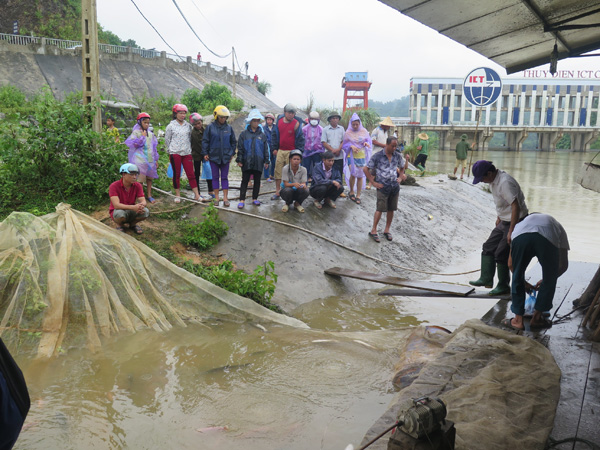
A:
{"x":320,"y":236}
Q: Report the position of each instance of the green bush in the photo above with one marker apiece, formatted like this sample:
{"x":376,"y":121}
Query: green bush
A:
{"x":264,"y":87}
{"x":258,"y":285}
{"x":11,"y":97}
{"x":212,"y":95}
{"x":56,"y":158}
{"x":207,"y":233}
{"x":160,"y":108}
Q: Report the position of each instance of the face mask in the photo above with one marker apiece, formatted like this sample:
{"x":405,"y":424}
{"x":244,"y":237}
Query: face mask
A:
{"x":314,"y":122}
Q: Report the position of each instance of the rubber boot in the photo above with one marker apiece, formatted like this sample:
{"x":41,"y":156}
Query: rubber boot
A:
{"x":488,"y":269}
{"x":420,"y":167}
{"x":503,"y":286}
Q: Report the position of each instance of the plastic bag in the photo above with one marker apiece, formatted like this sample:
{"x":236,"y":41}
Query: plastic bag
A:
{"x":206,"y":171}
{"x":530,"y":303}
{"x":170,"y":171}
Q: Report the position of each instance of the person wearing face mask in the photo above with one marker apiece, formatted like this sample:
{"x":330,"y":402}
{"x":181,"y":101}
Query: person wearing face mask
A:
{"x":143,"y":152}
{"x":313,"y":147}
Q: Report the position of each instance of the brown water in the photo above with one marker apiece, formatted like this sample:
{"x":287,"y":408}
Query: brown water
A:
{"x":279,"y":388}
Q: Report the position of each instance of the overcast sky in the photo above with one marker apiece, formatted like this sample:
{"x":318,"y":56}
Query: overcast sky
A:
{"x":304,"y":47}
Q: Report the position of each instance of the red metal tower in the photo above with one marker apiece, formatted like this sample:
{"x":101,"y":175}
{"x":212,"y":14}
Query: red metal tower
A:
{"x":356,"y":87}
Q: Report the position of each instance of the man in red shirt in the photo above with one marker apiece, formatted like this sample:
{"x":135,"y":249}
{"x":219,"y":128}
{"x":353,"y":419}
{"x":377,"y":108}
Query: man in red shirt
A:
{"x":127,"y":200}
{"x":287,"y":136}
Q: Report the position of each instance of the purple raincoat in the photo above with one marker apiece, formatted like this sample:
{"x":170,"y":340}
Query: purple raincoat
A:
{"x":360,"y":138}
{"x":143,"y":151}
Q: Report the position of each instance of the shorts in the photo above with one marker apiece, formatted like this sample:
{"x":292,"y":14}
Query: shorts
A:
{"x":283,"y":158}
{"x":459,"y":162}
{"x":129,"y":215}
{"x":387,"y":203}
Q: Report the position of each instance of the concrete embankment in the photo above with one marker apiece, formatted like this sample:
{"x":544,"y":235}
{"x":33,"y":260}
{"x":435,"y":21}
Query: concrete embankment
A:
{"x":461,"y":218}
{"x":123,"y":76}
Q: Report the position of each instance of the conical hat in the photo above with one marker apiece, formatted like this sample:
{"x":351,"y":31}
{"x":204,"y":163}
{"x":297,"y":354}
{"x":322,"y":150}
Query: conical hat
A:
{"x":387,"y":121}
{"x":423,"y":136}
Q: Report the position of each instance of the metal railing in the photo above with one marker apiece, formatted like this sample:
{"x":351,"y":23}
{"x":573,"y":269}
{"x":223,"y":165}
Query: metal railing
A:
{"x":16,"y":39}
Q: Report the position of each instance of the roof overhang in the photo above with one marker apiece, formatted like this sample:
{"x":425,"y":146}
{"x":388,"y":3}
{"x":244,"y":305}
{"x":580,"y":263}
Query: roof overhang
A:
{"x":516,"y":34}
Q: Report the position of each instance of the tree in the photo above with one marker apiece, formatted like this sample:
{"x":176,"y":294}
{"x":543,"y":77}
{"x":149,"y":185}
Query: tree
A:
{"x":212,"y":95}
{"x":264,"y":87}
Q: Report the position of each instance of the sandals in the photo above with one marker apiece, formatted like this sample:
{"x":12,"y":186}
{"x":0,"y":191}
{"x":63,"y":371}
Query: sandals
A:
{"x":276,"y":197}
{"x":137,"y":229}
{"x":374,"y":236}
{"x":177,"y":200}
{"x":121,"y":229}
{"x":300,"y":208}
{"x":241,"y":205}
{"x":388,"y":236}
{"x":151,"y":200}
{"x":352,"y":197}
{"x":357,"y":201}
{"x":256,"y":202}
{"x":318,"y":204}
{"x":226,"y":203}
{"x":508,"y":323}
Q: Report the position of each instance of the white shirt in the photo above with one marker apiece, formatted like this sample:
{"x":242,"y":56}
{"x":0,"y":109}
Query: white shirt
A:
{"x":334,"y":137}
{"x":505,"y":191}
{"x":545,"y":225}
{"x":380,"y":136}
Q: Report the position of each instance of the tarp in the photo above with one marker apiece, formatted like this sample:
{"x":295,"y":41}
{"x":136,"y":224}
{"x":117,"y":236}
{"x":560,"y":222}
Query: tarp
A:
{"x":67,"y":280}
{"x":501,"y":390}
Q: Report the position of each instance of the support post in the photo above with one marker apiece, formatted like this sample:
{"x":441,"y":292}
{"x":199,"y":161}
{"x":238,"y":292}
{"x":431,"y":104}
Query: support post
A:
{"x":90,"y":59}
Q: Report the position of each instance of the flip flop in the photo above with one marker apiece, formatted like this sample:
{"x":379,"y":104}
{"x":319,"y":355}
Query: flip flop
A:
{"x":121,"y":229}
{"x":177,"y":200}
{"x":388,"y":236}
{"x":357,"y":200}
{"x":318,"y":204}
{"x":151,"y":200}
{"x":546,"y":323}
{"x":241,"y":205}
{"x":374,"y":236}
{"x":256,"y":203}
{"x":137,"y":229}
{"x":352,"y":197}
{"x":226,"y":203}
{"x":276,"y":197}
{"x":508,"y":323}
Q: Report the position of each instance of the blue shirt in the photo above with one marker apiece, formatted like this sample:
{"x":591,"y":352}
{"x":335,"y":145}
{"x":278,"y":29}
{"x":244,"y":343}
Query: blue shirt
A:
{"x":385,"y":169}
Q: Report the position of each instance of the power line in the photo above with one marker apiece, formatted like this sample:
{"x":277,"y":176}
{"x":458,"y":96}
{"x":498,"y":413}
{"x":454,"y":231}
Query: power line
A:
{"x":149,"y":23}
{"x":188,"y":24}
{"x":206,"y":18}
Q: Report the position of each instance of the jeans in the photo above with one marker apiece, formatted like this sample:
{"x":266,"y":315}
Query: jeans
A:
{"x":322,"y":191}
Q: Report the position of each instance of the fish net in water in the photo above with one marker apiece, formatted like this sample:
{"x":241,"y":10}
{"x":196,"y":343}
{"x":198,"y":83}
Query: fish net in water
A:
{"x":67,"y":280}
{"x":501,"y":390}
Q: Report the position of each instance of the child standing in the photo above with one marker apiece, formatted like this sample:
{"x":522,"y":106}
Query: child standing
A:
{"x":197,"y":133}
{"x":218,"y":147}
{"x":252,"y":156}
{"x":113,"y":131}
{"x":143,"y":152}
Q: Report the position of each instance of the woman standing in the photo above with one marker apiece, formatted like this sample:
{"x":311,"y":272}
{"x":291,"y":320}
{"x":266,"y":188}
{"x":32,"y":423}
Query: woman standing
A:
{"x":218,"y":147}
{"x":252,"y":156}
{"x":178,"y":143}
{"x":357,"y":145}
{"x":197,"y":133}
{"x":143,"y":152}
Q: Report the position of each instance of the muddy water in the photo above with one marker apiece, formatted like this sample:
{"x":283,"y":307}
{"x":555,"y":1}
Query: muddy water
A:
{"x":228,"y":385}
{"x":219,"y":387}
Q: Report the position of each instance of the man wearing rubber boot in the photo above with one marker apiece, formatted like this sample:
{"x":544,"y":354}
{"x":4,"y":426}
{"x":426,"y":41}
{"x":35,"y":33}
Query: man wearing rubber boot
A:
{"x":511,"y":209}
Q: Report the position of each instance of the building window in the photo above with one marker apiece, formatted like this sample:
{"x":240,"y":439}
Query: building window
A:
{"x":423,"y":101}
{"x":503,"y":117}
{"x":571,"y":119}
{"x":456,"y":116}
{"x":434,"y":101}
{"x":434,"y":115}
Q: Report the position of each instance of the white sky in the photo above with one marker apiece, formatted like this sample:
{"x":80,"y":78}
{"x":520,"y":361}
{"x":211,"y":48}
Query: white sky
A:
{"x":304,"y":47}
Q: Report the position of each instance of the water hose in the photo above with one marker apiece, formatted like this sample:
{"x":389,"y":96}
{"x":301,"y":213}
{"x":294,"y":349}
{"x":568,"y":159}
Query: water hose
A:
{"x":320,"y":236}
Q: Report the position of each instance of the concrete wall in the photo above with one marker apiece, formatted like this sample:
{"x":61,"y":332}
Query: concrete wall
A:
{"x":123,"y":76}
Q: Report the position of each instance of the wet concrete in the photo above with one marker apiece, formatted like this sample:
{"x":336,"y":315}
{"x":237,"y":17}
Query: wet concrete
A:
{"x":420,"y":242}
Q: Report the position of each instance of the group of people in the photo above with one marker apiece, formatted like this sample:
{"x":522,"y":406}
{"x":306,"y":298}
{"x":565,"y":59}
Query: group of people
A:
{"x":516,"y":239}
{"x":302,"y":159}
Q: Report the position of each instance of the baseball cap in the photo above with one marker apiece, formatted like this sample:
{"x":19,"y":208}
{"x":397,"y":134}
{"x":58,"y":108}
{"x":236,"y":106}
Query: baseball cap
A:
{"x":480,"y":168}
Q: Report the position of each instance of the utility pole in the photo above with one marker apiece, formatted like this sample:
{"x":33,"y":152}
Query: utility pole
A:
{"x":233,"y":68}
{"x":90,"y":59}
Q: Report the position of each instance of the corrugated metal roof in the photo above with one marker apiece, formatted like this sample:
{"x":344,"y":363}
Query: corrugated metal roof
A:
{"x":517,"y":34}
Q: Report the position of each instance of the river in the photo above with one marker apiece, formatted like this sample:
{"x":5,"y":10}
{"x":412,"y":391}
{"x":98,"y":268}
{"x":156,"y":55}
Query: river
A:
{"x":227,"y":385}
